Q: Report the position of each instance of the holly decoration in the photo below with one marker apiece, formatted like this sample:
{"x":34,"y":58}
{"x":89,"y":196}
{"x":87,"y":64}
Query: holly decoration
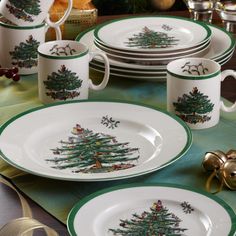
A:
{"x":89,"y":152}
{"x":24,"y":9}
{"x":151,"y":39}
{"x":193,"y":107}
{"x":198,"y":69}
{"x":10,"y":73}
{"x":25,"y":54}
{"x":159,"y":221}
{"x":63,"y":84}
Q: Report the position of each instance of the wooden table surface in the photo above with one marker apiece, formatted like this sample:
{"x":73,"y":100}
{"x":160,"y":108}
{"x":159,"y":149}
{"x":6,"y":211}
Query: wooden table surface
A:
{"x":10,"y":207}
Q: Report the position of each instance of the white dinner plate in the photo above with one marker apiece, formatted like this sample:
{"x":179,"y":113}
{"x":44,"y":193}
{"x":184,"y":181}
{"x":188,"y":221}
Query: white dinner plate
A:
{"x":114,"y":69}
{"x":161,"y":73}
{"x":159,"y":78}
{"x":139,"y":75}
{"x":161,"y":209}
{"x":151,"y":34}
{"x":222,"y":44}
{"x":150,"y":55}
{"x":157,"y":61}
{"x":93,"y":140}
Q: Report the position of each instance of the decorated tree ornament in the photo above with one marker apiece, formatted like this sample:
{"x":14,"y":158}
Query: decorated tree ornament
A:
{"x":10,"y":73}
{"x":223,"y":167}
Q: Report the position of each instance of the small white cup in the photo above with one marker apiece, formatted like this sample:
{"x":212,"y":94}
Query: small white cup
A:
{"x":18,"y":45}
{"x":64,"y":71}
{"x":30,"y":12}
{"x":193,"y":91}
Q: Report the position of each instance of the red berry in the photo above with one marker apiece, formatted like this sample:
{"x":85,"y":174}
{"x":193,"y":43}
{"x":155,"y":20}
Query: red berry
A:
{"x":2,"y":72}
{"x":9,"y":74}
{"x":16,"y":77}
{"x":15,"y":70}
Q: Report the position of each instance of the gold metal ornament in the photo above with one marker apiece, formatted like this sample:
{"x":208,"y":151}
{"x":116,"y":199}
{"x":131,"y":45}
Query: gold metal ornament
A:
{"x":231,"y":154}
{"x":223,"y":167}
{"x":162,"y":4}
{"x":214,"y":160}
{"x":228,"y":173}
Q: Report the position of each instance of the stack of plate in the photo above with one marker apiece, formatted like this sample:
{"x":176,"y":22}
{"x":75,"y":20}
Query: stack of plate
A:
{"x":141,"y":47}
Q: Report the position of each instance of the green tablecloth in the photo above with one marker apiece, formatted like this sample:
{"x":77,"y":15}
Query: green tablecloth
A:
{"x":58,"y":197}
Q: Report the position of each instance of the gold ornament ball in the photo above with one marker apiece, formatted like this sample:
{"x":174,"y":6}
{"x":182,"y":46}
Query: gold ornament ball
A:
{"x":228,"y":173}
{"x":231,"y":154}
{"x":163,"y":4}
{"x":214,"y":160}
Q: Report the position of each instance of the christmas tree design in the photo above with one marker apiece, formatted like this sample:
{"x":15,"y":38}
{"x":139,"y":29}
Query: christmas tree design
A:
{"x":193,"y":107}
{"x":25,"y":54}
{"x":151,"y":39}
{"x":89,"y":152}
{"x":63,"y":84}
{"x":24,"y":9}
{"x":159,"y":221}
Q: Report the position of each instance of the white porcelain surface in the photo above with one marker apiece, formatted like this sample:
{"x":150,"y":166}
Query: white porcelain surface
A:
{"x":63,"y":72}
{"x":103,"y":211}
{"x":150,"y":55}
{"x":28,"y":149}
{"x":27,"y":15}
{"x":194,"y":91}
{"x":18,"y":45}
{"x":221,"y":45}
{"x":117,"y":33}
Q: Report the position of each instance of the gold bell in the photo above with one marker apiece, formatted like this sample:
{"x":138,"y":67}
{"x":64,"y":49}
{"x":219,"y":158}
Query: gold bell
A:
{"x":231,"y":154}
{"x":228,"y":173}
{"x":214,"y":160}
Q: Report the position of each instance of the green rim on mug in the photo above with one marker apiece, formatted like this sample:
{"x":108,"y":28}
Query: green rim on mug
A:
{"x":10,"y":26}
{"x":77,"y":55}
{"x":190,"y":76}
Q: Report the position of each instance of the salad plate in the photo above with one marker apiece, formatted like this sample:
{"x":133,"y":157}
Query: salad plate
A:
{"x":151,"y":34}
{"x":222,"y":44}
{"x":159,"y":78}
{"x":151,"y":55}
{"x":117,"y":69}
{"x":93,"y":140}
{"x":156,"y":61}
{"x":147,"y":76}
{"x":149,"y":209}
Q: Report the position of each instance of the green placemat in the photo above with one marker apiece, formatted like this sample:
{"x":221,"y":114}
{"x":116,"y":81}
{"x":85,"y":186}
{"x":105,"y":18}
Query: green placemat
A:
{"x":58,"y":197}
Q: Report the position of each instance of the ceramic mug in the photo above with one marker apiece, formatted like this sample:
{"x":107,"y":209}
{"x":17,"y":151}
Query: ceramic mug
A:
{"x":64,"y":71}
{"x":193,"y":91}
{"x":30,"y":12}
{"x":18,"y":45}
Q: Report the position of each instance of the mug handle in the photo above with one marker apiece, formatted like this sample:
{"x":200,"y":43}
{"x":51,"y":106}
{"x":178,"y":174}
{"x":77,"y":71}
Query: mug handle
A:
{"x":224,"y":74}
{"x":105,"y":79}
{"x":57,"y":30}
{"x":63,"y":19}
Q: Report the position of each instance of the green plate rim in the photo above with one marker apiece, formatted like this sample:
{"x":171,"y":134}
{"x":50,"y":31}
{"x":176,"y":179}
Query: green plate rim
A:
{"x":81,"y":203}
{"x":233,"y":40}
{"x":205,"y":26}
{"x":178,"y":155}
